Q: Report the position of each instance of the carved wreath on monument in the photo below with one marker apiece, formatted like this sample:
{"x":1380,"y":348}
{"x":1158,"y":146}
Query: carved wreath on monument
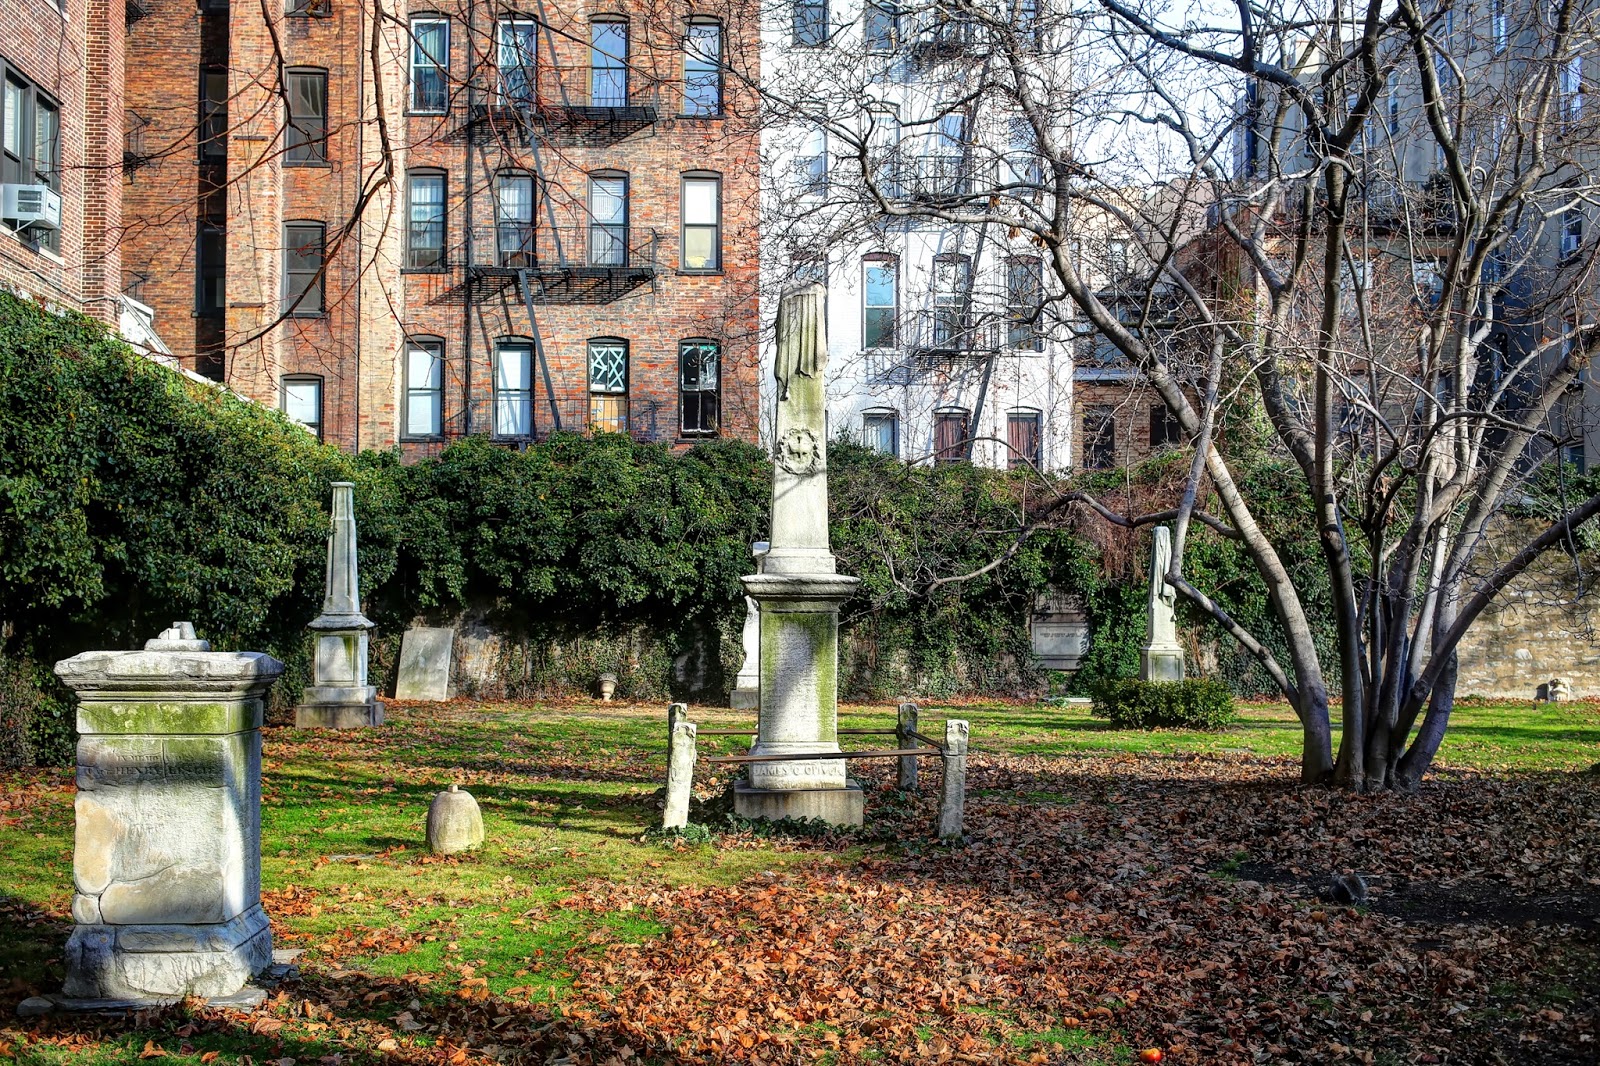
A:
{"x":799,"y":451}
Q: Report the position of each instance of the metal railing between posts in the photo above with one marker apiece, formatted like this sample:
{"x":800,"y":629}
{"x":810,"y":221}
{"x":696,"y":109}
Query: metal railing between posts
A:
{"x":682,"y":753}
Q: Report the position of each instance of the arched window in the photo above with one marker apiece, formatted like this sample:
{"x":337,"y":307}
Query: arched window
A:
{"x":608,"y":62}
{"x":608,"y":385}
{"x":880,"y":431}
{"x":423,"y":416}
{"x":702,"y":68}
{"x":699,"y":387}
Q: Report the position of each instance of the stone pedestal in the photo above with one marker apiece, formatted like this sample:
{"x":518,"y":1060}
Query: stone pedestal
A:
{"x":339,"y":696}
{"x":1161,"y":658}
{"x":746,"y":694}
{"x":167,"y":852}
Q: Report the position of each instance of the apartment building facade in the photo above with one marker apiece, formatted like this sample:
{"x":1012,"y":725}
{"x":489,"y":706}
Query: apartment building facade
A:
{"x":60,"y":150}
{"x":941,"y":347}
{"x":404,"y":227}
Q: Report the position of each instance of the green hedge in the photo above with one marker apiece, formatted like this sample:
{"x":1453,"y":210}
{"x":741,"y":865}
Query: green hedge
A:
{"x":1194,"y":703}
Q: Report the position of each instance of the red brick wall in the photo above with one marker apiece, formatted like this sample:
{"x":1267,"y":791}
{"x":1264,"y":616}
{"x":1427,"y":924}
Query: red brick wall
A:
{"x":74,"y":54}
{"x":356,"y":346}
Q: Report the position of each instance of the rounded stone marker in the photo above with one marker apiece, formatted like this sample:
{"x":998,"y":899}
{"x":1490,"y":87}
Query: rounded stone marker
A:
{"x":454,"y":823}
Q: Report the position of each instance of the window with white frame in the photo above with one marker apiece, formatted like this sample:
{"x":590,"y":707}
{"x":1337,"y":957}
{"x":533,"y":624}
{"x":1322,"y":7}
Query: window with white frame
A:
{"x":424,"y":385}
{"x":812,"y":162}
{"x":882,"y":26}
{"x":513,"y":389}
{"x":513,"y":219}
{"x":1024,"y":303}
{"x":608,"y":385}
{"x":430,"y":64}
{"x":952,"y":300}
{"x":880,"y":431}
{"x":608,"y":220}
{"x":702,"y":223}
{"x":1571,"y":232}
{"x":880,"y":303}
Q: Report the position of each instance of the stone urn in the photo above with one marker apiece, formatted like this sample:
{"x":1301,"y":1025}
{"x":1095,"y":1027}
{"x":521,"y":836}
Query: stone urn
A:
{"x":454,"y":822}
{"x":608,"y":686}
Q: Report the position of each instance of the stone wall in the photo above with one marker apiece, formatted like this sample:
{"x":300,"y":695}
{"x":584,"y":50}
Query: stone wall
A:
{"x":1533,"y":633}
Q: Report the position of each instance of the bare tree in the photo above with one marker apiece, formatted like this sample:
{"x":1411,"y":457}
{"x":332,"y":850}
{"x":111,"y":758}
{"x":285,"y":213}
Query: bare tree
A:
{"x":1369,"y":235}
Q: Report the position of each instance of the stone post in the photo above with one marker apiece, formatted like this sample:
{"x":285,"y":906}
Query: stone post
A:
{"x":800,"y":592}
{"x":339,"y":696}
{"x":167,"y":853}
{"x":905,"y":726}
{"x":680,"y":770}
{"x":953,"y":790}
{"x":746,"y":695}
{"x":1161,"y":659}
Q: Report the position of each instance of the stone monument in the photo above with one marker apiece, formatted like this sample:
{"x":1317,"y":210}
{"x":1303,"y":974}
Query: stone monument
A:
{"x":425,"y":656}
{"x":454,"y":822}
{"x":1161,"y":659}
{"x":339,"y":696}
{"x":799,"y":592}
{"x":167,"y":853}
{"x":746,"y":695}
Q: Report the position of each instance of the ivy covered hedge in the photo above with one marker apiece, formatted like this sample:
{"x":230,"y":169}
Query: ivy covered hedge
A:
{"x":131,"y":496}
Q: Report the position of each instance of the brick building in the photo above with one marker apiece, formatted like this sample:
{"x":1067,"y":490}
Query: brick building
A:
{"x":60,"y":150}
{"x":471,"y":217}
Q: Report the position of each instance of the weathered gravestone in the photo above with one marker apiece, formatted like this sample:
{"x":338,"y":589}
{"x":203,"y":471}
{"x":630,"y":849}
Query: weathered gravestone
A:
{"x":746,"y":695}
{"x":339,"y":696}
{"x":799,"y":592}
{"x":167,"y":852}
{"x":1161,"y":659}
{"x":425,"y":665}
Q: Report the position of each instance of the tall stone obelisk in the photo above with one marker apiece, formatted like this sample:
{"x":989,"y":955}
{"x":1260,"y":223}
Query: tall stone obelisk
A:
{"x":1161,"y":659}
{"x":339,"y":696}
{"x":799,"y":592}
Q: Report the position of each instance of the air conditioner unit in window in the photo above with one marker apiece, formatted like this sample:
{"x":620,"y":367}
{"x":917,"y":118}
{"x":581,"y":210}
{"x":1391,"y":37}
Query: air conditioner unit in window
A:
{"x":30,"y":205}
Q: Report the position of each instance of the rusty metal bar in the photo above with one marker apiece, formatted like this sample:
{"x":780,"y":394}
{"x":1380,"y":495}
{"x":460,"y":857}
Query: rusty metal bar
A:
{"x":868,"y":732}
{"x":726,"y":732}
{"x":928,"y":740}
{"x":826,"y":755}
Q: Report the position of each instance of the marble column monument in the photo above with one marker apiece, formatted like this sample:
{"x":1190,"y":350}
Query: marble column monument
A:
{"x":167,"y":852}
{"x":1161,"y":659}
{"x":339,"y":696}
{"x":799,"y":592}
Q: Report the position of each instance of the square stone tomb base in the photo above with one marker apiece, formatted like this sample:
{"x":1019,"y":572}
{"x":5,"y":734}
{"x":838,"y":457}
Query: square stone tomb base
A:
{"x":837,"y":806}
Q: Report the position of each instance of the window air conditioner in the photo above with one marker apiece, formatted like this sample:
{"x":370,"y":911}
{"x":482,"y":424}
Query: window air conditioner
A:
{"x":30,"y":205}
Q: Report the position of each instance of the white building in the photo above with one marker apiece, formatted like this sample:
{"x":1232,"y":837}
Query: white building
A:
{"x":942,"y":346}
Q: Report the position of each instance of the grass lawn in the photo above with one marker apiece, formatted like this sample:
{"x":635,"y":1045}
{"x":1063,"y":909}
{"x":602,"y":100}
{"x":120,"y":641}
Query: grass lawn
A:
{"x":569,"y":938}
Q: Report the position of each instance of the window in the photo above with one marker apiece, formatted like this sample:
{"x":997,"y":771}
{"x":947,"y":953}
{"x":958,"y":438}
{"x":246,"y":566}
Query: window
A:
{"x":952,"y":296}
{"x":949,"y":436}
{"x":30,"y":143}
{"x":306,"y":139}
{"x":308,"y":8}
{"x":608,"y":220}
{"x":302,"y":401}
{"x":513,"y":219}
{"x":1024,"y":303}
{"x":702,"y":69}
{"x":702,"y":228}
{"x":430,"y":64}
{"x":947,"y":156}
{"x":424,"y":413}
{"x":1165,"y":432}
{"x":425,"y":234}
{"x":517,"y":58}
{"x":884,"y":137}
{"x":1099,"y":437}
{"x":1427,"y":276}
{"x":880,"y":431}
{"x":1571,"y":232}
{"x":810,"y":23}
{"x":608,"y":64}
{"x":608,"y":385}
{"x":1394,"y":111}
{"x":880,"y":302}
{"x":812,"y":163}
{"x":213,"y":128}
{"x":210,"y":269}
{"x":1572,"y":88}
{"x":303,"y":268}
{"x":1025,"y":440}
{"x":1023,"y":159}
{"x":513,"y":389}
{"x":1501,"y":25}
{"x":1117,"y":259}
{"x":699,"y":387}
{"x":882,"y":28}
